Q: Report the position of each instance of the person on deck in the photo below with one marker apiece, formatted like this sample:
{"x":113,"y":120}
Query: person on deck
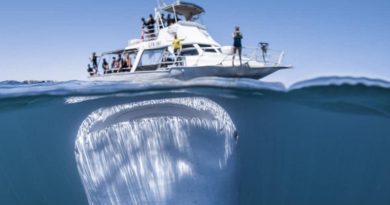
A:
{"x":144,"y":29}
{"x":150,"y":25}
{"x":170,"y":20}
{"x":91,"y":70}
{"x":144,"y":23}
{"x":237,"y":44}
{"x":94,"y":62}
{"x":178,"y":18}
{"x":128,"y":61}
{"x":176,"y":45}
{"x":114,"y":64}
{"x":124,"y":65}
{"x":163,"y":22}
{"x":105,"y":66}
{"x":119,"y":62}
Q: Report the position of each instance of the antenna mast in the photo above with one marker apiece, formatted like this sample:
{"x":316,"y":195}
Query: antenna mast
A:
{"x":159,"y":3}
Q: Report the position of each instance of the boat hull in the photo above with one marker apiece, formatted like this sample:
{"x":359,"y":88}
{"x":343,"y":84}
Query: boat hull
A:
{"x":187,"y":73}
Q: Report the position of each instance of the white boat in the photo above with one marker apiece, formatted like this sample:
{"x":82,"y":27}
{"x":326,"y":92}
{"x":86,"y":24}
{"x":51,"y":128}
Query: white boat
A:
{"x":152,"y":56}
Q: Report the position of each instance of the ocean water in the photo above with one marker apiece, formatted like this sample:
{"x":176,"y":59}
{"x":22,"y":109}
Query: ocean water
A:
{"x":204,"y":141}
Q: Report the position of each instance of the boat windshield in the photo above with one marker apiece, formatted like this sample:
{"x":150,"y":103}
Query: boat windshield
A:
{"x":151,"y":59}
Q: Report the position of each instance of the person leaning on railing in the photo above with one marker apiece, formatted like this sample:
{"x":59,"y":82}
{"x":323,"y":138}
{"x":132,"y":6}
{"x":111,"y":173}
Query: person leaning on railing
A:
{"x":148,"y":28}
{"x":144,"y":28}
{"x":151,"y":23}
{"x":163,"y":22}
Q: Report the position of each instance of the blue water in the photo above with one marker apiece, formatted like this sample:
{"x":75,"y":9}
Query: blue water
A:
{"x":205,"y":141}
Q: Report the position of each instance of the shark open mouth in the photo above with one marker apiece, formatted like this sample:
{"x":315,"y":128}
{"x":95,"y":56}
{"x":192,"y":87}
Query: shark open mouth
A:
{"x":168,"y":151}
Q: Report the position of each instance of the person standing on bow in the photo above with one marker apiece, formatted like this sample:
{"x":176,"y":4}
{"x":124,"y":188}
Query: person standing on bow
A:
{"x":237,"y":44}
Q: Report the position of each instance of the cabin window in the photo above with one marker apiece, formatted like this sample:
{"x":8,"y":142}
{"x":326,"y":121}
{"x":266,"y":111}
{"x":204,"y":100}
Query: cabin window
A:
{"x":150,"y":60}
{"x":207,"y":48}
{"x":189,"y":50}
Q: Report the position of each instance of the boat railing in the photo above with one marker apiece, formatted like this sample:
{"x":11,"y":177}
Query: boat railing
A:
{"x":169,"y":60}
{"x":149,"y":34}
{"x":268,"y":57}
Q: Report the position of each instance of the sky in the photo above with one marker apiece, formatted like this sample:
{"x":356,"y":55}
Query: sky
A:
{"x":52,"y":40}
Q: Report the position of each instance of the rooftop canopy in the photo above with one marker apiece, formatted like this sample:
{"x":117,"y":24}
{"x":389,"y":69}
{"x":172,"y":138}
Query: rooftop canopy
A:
{"x":119,"y":51}
{"x":188,"y":10}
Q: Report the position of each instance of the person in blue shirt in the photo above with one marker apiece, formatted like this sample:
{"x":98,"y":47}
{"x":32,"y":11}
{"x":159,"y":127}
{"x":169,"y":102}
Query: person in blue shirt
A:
{"x":237,"y":44}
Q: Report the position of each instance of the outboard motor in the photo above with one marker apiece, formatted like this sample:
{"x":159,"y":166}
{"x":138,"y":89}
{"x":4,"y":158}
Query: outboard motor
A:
{"x":264,"y":50}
